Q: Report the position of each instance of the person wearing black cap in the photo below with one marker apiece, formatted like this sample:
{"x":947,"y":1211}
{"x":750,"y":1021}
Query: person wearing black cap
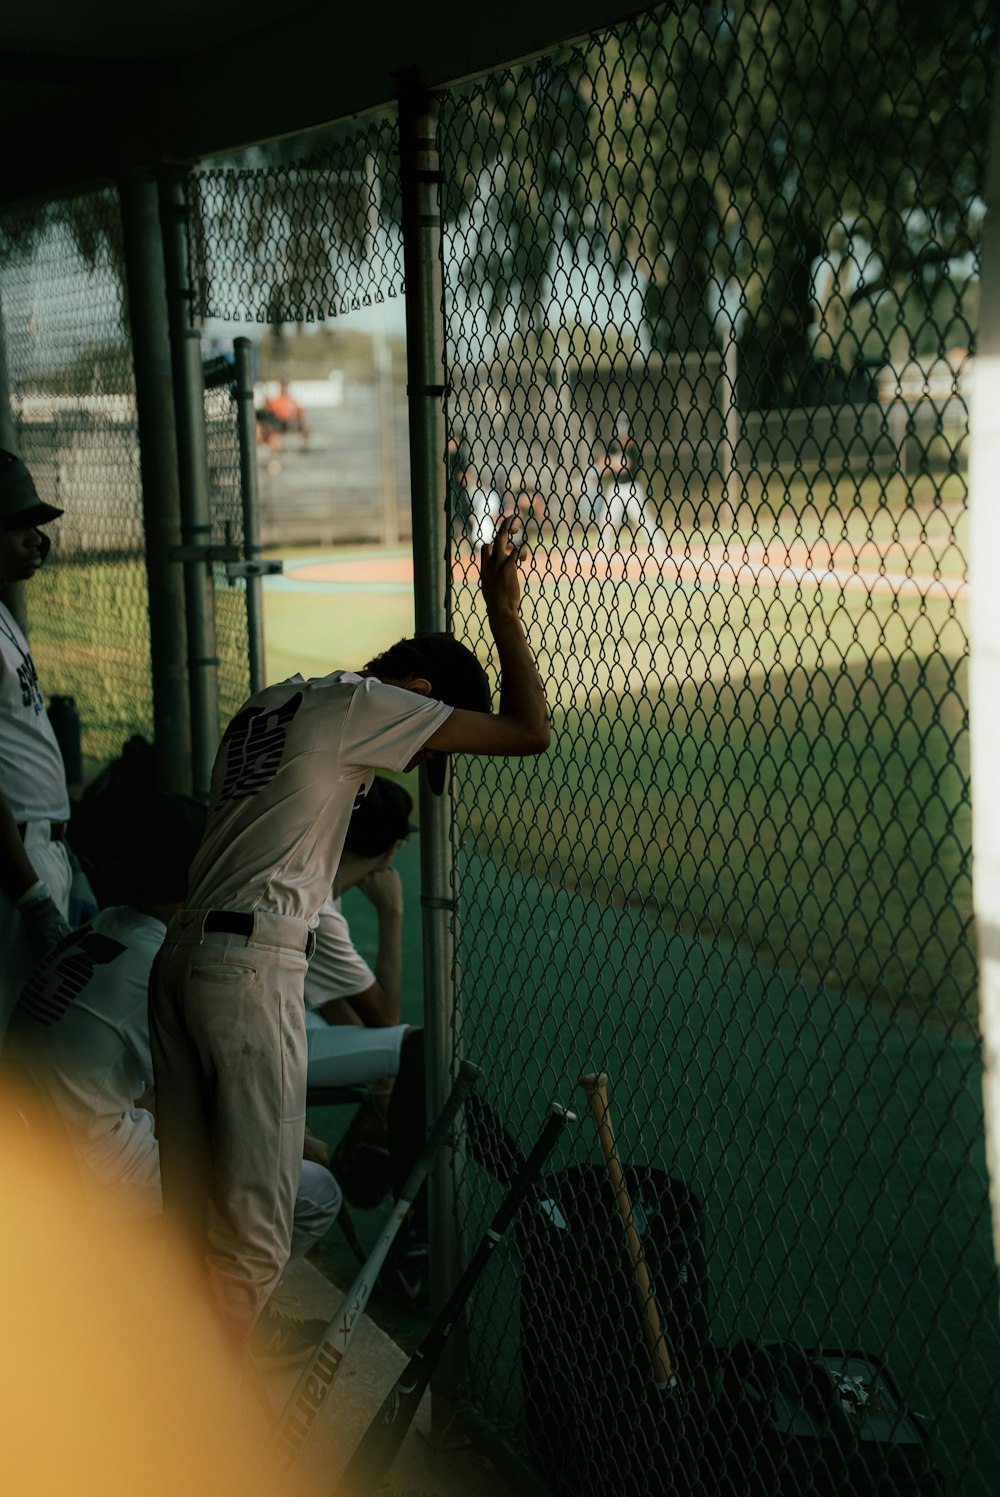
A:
{"x":35,"y":872}
{"x":226,"y":995}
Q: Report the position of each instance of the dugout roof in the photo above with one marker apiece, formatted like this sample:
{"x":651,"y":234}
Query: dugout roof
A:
{"x":95,"y":90}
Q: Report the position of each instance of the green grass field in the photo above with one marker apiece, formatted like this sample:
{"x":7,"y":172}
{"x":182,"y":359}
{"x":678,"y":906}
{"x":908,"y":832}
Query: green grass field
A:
{"x":813,"y":801}
{"x":786,"y":765}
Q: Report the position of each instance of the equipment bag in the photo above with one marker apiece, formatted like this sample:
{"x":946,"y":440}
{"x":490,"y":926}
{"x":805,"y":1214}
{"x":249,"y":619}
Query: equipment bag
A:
{"x":596,"y":1421}
{"x":795,"y":1423}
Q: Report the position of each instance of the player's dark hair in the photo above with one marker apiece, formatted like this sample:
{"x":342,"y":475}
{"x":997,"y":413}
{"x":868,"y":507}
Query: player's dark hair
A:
{"x":381,"y":819}
{"x":455,"y":674}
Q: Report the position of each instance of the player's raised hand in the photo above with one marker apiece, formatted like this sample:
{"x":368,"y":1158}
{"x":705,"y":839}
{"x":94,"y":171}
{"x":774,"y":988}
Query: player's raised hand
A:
{"x":498,"y":560}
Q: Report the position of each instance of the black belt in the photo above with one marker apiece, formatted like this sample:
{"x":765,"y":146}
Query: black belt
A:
{"x":230,"y":922}
{"x":57,"y":830}
{"x":238,"y":923}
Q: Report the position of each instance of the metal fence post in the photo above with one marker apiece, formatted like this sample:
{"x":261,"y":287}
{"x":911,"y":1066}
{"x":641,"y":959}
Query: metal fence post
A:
{"x":984,"y":672}
{"x":246,"y":422}
{"x":150,"y":333}
{"x":14,"y":594}
{"x":192,"y":451}
{"x":420,"y":181}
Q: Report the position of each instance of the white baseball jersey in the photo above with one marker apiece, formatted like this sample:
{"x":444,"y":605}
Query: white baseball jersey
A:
{"x":292,"y":764}
{"x":32,"y":775}
{"x":80,"y":1026}
{"x":336,"y":968}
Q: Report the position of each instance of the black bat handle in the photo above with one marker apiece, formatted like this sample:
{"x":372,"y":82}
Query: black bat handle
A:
{"x":520,"y":1188}
{"x":528,"y":1173}
{"x":380,"y":1442}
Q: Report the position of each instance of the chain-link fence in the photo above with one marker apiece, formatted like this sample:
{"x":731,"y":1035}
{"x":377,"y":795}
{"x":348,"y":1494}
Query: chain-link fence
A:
{"x":302,"y":239}
{"x":711,"y":296}
{"x":307,"y":232}
{"x":72,"y":387}
{"x":226,"y":502}
{"x":710,"y":300}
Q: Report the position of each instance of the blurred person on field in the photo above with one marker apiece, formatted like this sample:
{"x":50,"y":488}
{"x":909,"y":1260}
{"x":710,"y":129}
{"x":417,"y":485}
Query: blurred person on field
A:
{"x":459,"y":507}
{"x":35,"y":868}
{"x":626,"y":519}
{"x":286,"y":413}
{"x":484,"y":509}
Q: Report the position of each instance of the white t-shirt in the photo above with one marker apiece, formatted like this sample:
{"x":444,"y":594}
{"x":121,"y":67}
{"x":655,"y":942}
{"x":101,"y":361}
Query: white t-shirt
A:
{"x":292,"y":764}
{"x":80,"y":1026}
{"x":336,"y":968}
{"x":32,"y":774}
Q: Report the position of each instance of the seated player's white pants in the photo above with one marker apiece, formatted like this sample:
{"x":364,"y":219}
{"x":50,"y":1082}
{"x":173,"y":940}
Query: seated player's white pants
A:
{"x":227,"y":1032}
{"x":50,"y":861}
{"x":351,"y":1054}
{"x":124,"y":1172}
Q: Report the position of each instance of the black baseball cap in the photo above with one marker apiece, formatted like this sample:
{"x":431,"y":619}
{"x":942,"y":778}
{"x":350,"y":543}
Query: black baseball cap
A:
{"x":20,"y":505}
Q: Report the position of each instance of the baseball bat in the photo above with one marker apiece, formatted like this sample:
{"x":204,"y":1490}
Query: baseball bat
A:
{"x":297,"y":1418}
{"x":380,"y":1442}
{"x":596,"y":1088}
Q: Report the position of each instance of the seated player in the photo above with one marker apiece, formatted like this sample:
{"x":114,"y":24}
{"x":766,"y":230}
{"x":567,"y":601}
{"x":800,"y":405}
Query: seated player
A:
{"x":355,"y":1035}
{"x":80,"y":1027}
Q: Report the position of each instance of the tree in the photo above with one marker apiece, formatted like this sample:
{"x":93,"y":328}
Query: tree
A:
{"x":719,"y":155}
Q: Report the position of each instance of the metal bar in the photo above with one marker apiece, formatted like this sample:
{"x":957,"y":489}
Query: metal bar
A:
{"x":246,"y":425}
{"x":161,"y":504}
{"x":192,"y":452}
{"x":14,"y":593}
{"x":383,"y":360}
{"x":984,"y":658}
{"x":421,"y":227}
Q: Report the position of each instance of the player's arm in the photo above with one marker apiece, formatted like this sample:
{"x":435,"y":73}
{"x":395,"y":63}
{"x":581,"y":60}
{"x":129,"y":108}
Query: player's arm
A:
{"x":44,"y":923}
{"x":16,"y":872}
{"x":368,"y":1008}
{"x":378,"y":1006}
{"x":522,"y":724}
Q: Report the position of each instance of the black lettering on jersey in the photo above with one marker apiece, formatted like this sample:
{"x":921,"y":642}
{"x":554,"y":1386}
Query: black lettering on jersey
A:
{"x":31,"y":692}
{"x":65,"y":973}
{"x":254,"y":743}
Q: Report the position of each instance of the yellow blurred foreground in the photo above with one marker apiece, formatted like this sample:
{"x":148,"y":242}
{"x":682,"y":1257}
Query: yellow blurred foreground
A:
{"x":111,"y":1379}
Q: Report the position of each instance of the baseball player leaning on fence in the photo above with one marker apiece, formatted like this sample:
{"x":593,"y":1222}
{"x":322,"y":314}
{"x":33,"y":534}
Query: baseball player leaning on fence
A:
{"x":35,"y":872}
{"x":226,"y":993}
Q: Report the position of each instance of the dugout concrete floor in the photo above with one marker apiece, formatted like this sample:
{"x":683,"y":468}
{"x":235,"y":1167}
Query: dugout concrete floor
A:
{"x":369,"y":1371}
